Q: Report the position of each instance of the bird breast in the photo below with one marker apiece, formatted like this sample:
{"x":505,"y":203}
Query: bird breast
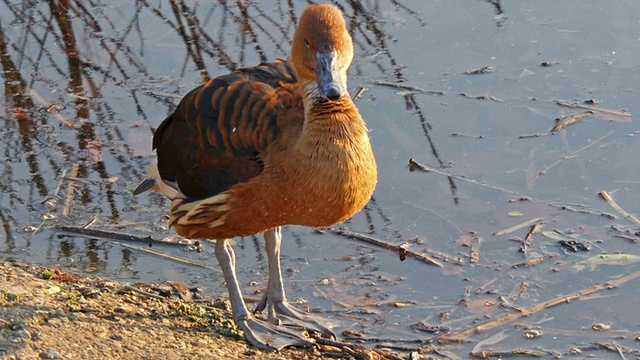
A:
{"x":330,"y":174}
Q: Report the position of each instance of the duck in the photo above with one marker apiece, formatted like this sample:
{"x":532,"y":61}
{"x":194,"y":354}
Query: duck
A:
{"x":263,"y":147}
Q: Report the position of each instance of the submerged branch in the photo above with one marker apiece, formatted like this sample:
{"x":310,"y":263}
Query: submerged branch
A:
{"x":402,"y":250}
{"x":605,"y":195}
{"x":517,"y":227}
{"x":114,"y":235}
{"x":461,"y":335}
{"x":414,"y":165}
{"x":571,"y":155}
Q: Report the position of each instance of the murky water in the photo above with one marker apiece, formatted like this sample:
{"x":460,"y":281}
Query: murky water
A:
{"x":85,"y":84}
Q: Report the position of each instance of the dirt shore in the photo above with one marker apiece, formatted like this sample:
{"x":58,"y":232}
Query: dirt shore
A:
{"x":48,"y":314}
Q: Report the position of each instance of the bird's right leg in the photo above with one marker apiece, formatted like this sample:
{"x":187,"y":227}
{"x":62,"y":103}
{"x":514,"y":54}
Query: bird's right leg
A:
{"x":259,"y":333}
{"x":275,"y":300}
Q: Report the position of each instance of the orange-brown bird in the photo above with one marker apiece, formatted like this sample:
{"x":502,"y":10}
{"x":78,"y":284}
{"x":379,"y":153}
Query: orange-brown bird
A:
{"x":277,"y":144}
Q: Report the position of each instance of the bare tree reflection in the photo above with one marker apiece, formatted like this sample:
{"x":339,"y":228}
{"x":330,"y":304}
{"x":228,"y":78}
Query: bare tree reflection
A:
{"x":108,"y":69}
{"x":497,"y":8}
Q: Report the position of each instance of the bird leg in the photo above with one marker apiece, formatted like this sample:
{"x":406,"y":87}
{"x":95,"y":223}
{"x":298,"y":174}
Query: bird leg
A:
{"x":275,"y":301}
{"x":260,"y":334}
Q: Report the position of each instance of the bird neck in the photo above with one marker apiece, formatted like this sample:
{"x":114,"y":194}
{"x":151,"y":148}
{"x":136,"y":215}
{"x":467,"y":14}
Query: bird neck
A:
{"x":339,"y":118}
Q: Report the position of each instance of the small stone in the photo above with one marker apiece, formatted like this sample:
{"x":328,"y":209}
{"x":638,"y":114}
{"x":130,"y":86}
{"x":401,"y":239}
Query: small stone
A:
{"x":532,"y":334}
{"x":22,"y":334}
{"x":601,"y":327}
{"x":53,"y":290}
{"x":199,"y":342}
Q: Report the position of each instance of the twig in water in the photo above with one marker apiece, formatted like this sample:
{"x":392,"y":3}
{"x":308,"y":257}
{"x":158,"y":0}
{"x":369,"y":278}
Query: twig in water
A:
{"x":568,"y":156}
{"x":467,"y":135}
{"x":475,"y":249}
{"x":461,"y":335}
{"x":441,"y":255}
{"x":619,"y":349}
{"x":532,"y":262}
{"x":482,"y":70}
{"x":481,"y":97}
{"x":534,"y":135}
{"x":113,"y":235}
{"x":359,"y":93}
{"x":630,"y":239}
{"x":484,"y":286}
{"x":584,"y":211}
{"x":605,"y":195}
{"x":533,"y":231}
{"x":486,"y":354}
{"x":50,"y":204}
{"x":517,"y":227}
{"x":396,"y":85}
{"x":564,"y":121}
{"x":62,"y":177}
{"x":45,"y":104}
{"x":91,"y":222}
{"x":528,"y":239}
{"x":405,"y":87}
{"x":414,"y":165}
{"x":594,"y":109}
{"x":398,"y":249}
{"x":165,"y":94}
{"x":71,"y":190}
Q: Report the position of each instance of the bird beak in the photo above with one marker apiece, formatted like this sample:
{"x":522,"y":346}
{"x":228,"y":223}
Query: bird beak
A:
{"x":329,"y":80}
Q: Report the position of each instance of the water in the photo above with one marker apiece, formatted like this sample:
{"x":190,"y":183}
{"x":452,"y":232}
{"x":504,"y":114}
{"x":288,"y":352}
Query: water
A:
{"x":84,"y":89}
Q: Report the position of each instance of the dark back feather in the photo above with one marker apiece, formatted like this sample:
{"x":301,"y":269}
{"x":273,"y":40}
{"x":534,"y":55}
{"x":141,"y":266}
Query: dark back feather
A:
{"x":217,"y":135}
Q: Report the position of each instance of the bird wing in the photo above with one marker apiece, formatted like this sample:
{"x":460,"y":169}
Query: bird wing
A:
{"x":217,"y":135}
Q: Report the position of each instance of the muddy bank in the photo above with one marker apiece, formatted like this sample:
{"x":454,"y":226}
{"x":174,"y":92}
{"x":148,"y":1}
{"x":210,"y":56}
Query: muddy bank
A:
{"x":49,"y":314}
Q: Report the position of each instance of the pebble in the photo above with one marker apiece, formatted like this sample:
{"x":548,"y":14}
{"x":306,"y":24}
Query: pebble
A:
{"x":55,"y":322}
{"x":50,"y":354}
{"x":199,"y":342}
{"x":22,"y":334}
{"x":53,"y":290}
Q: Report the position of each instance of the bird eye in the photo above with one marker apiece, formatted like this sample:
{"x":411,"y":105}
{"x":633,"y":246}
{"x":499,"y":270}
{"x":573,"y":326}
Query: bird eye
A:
{"x":306,"y":43}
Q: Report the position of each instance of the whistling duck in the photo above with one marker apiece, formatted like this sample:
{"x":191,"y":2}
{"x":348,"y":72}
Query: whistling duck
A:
{"x":277,"y":144}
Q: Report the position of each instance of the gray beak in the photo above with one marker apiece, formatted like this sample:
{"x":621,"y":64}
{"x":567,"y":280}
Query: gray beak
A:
{"x":329,"y":82}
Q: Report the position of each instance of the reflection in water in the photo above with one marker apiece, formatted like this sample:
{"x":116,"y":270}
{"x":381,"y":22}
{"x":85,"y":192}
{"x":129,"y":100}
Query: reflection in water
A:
{"x":67,"y":249}
{"x":500,"y":15}
{"x":87,"y":68}
{"x":85,"y":83}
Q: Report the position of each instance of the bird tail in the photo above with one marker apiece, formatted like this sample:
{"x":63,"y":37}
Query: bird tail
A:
{"x":147,"y":184}
{"x":155,"y":182}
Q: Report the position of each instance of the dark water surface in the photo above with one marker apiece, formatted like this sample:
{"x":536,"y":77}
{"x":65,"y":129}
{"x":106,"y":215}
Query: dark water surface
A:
{"x":86,"y":83}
